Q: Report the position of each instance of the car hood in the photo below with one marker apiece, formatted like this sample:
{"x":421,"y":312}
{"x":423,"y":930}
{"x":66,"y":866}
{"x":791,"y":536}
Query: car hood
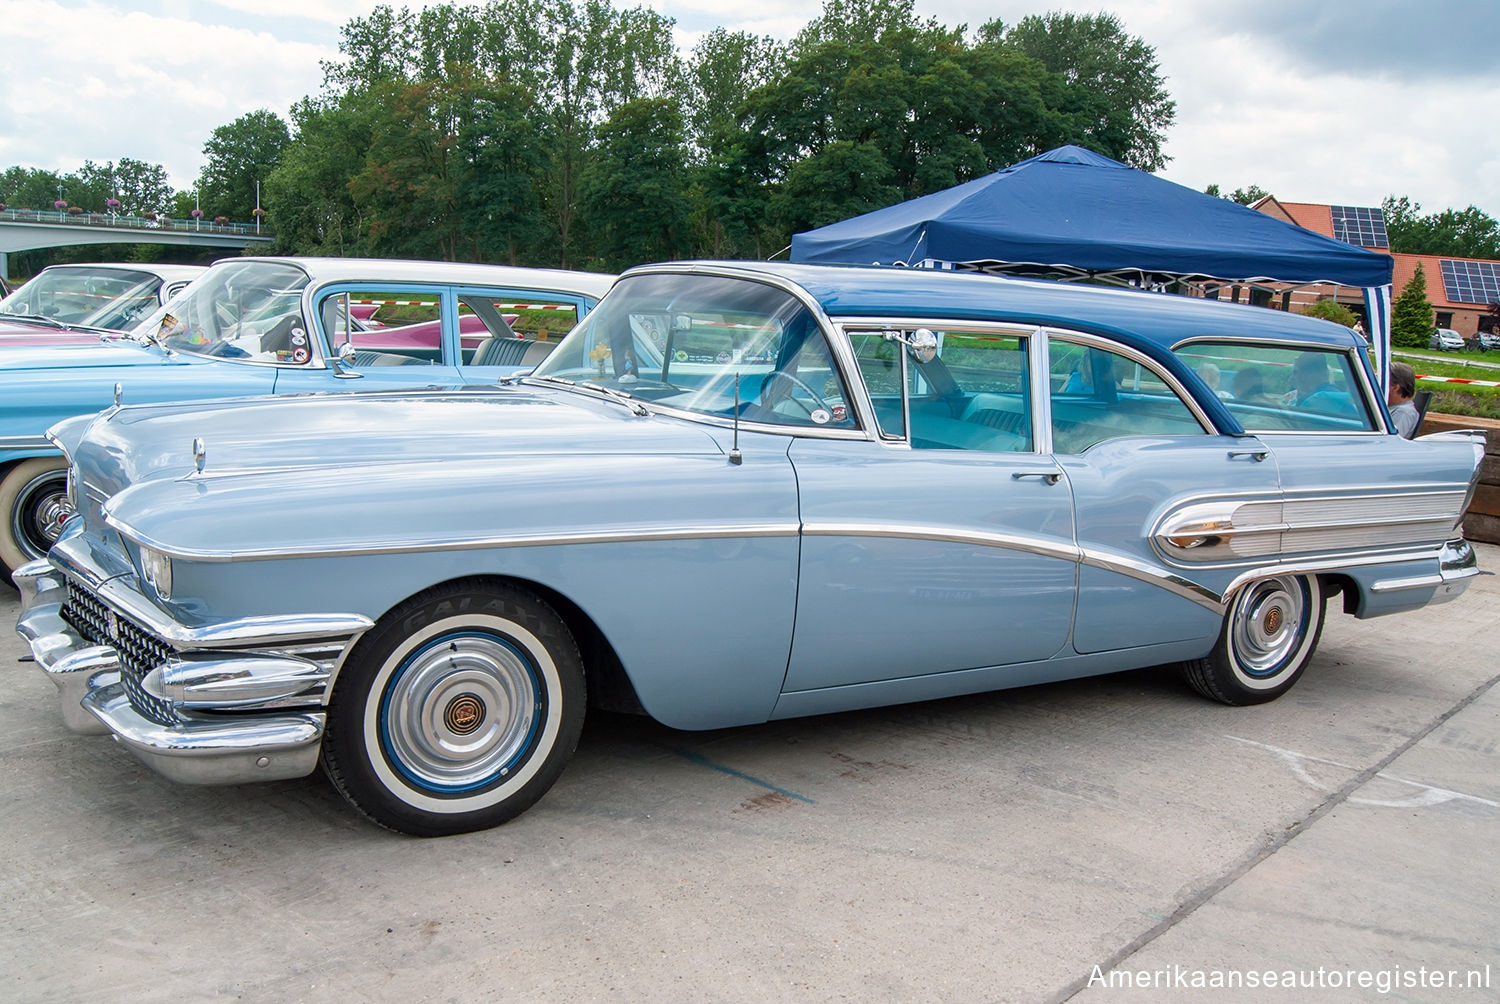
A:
{"x":265,"y":435}
{"x":96,"y":355}
{"x":292,"y":473}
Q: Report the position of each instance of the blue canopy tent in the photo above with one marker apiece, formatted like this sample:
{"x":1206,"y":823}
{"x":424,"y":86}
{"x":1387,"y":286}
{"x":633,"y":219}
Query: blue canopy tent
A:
{"x":1073,"y":212}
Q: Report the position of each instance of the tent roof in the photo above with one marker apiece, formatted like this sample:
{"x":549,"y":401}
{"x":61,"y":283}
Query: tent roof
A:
{"x":1073,"y":207}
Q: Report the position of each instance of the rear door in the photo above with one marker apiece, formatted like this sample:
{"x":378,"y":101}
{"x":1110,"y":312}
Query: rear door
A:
{"x":1146,"y":468}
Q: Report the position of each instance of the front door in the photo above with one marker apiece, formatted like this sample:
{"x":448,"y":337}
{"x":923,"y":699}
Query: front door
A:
{"x":947,"y":545}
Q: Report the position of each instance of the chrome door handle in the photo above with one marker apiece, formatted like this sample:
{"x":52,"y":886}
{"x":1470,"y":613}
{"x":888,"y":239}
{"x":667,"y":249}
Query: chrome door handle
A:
{"x":1051,"y":477}
{"x":1256,"y":455}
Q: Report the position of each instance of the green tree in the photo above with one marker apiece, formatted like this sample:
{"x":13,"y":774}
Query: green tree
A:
{"x":1468,"y":233}
{"x":634,"y":191}
{"x":29,"y":188}
{"x":311,"y":207}
{"x":1332,"y":310}
{"x":729,"y":203}
{"x":1411,"y":314}
{"x":1120,"y":101}
{"x":855,"y":123}
{"x":240,"y":155}
{"x":502,"y":192}
{"x":1244,"y":196}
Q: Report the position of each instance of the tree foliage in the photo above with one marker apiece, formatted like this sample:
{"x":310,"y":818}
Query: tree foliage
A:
{"x":240,"y":156}
{"x":568,"y":132}
{"x":1467,"y":233}
{"x":1332,"y":310}
{"x":1411,"y":314}
{"x":1116,"y":95}
{"x":1244,"y":196}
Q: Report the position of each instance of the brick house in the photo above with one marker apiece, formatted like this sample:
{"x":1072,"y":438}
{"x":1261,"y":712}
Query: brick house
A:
{"x":1451,"y":282}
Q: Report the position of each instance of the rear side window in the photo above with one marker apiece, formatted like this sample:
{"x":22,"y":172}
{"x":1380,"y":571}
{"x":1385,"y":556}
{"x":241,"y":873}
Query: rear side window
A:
{"x":1098,"y":394}
{"x":1272,"y":388}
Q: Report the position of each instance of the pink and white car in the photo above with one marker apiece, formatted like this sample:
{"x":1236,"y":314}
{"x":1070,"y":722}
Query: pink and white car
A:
{"x":76,"y":304}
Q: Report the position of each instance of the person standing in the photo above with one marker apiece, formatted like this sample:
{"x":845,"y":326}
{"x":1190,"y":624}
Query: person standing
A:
{"x":1403,"y":387}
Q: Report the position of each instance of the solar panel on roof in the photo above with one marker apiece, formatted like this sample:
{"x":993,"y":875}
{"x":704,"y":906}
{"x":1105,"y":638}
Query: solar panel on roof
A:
{"x":1360,"y":225}
{"x":1471,"y":281}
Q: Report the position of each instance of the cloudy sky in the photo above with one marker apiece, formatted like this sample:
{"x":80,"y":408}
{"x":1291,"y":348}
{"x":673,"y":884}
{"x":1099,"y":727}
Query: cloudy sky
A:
{"x":1338,"y":101}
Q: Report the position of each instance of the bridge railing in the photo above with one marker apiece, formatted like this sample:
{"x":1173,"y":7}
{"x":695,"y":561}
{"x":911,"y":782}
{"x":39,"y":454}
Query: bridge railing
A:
{"x":122,"y":221}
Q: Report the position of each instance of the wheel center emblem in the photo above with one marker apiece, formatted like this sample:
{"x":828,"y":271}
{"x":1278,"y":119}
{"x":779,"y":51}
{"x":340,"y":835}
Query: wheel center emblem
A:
{"x":464,"y":714}
{"x":1273,"y":620}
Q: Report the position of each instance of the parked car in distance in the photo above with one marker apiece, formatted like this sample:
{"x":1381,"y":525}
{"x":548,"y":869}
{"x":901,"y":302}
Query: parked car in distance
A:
{"x":1487,"y":341}
{"x":75,"y":304}
{"x":1446,"y":340}
{"x":272,"y":326}
{"x":945,"y":483}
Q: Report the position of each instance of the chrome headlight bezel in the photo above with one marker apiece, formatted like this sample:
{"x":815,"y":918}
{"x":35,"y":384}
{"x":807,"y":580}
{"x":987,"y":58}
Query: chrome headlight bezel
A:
{"x":156,"y":570}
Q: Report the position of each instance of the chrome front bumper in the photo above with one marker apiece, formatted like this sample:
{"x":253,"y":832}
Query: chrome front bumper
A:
{"x":202,"y":749}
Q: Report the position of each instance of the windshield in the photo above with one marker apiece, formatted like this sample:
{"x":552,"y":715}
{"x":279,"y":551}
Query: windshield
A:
{"x":701,"y":345}
{"x":249,"y":310}
{"x":112,"y":298}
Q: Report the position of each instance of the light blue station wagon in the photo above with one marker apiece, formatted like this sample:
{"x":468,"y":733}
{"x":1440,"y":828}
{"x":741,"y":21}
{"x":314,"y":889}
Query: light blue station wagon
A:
{"x":252,"y":326}
{"x":735,"y":492}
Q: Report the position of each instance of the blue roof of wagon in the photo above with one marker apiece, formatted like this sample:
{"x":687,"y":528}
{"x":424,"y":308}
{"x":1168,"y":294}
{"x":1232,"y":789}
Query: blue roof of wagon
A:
{"x":1155,"y":320}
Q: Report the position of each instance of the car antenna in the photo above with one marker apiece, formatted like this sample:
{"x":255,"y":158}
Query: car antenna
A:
{"x":735,"y":457}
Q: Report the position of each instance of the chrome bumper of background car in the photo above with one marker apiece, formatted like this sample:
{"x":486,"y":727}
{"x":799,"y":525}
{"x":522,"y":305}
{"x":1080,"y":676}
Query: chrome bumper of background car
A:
{"x":201,"y":749}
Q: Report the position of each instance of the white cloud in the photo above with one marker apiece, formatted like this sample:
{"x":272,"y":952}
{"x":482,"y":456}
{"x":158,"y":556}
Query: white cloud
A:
{"x":1363,"y":102}
{"x":99,"y":83}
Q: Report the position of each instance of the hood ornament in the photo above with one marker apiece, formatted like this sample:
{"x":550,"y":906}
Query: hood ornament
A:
{"x":200,"y":454}
{"x":119,"y":392}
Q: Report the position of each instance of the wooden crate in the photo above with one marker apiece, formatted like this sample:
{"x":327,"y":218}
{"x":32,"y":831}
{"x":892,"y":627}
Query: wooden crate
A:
{"x":1482,"y":521}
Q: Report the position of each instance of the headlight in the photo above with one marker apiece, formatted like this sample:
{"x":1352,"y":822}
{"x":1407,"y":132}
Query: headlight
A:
{"x":157,"y":569}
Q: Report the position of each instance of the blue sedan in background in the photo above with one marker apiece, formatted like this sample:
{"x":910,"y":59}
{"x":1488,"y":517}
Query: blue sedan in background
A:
{"x":276,"y":326}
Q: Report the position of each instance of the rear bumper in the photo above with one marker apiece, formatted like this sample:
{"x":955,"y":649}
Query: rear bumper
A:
{"x":202,"y":748}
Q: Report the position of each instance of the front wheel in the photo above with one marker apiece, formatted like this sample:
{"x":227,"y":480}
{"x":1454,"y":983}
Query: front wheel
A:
{"x":33,"y":497}
{"x":1269,"y":635}
{"x":457,"y":711}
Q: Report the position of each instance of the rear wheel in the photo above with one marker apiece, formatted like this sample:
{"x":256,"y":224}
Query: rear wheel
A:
{"x":1269,"y":635}
{"x":457,"y":712}
{"x":33,"y":494}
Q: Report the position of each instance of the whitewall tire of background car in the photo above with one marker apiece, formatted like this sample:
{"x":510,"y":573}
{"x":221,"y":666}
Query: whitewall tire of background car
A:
{"x":457,"y":711}
{"x":1270,"y":632}
{"x":30,"y":493}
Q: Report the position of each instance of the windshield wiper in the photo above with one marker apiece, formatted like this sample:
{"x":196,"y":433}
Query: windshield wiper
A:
{"x":608,"y":392}
{"x":35,"y":319}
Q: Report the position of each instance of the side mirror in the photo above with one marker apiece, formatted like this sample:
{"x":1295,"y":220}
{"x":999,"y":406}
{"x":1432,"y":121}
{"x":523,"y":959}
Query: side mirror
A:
{"x":921,"y":343}
{"x":346,"y":352}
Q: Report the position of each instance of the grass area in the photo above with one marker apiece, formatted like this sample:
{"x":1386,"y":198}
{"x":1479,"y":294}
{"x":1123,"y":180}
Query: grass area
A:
{"x":1448,"y":399}
{"x":1483,"y":402}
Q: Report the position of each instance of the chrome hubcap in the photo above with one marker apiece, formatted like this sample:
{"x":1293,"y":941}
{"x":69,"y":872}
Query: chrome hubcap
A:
{"x":460,"y":712}
{"x":36,"y":522}
{"x":1268,"y":624}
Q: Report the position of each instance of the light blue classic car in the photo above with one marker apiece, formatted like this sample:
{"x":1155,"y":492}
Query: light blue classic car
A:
{"x":735,"y":492}
{"x":254,"y":326}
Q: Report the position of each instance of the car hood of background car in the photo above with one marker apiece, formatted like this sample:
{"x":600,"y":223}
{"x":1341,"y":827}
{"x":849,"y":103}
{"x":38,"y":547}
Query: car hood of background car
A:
{"x":99,"y":355}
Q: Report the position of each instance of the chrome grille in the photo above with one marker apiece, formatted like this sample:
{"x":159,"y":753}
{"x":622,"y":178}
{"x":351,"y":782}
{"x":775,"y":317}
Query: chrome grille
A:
{"x":139,"y":650}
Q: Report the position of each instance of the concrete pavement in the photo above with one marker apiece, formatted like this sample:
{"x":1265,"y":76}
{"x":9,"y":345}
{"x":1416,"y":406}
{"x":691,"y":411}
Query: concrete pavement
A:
{"x":1010,"y":846}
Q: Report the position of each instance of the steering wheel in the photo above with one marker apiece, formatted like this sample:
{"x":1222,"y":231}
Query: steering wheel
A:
{"x":770,"y":399}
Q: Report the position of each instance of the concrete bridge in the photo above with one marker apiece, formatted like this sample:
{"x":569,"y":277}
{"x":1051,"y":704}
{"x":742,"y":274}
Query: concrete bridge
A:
{"x":29,"y":229}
